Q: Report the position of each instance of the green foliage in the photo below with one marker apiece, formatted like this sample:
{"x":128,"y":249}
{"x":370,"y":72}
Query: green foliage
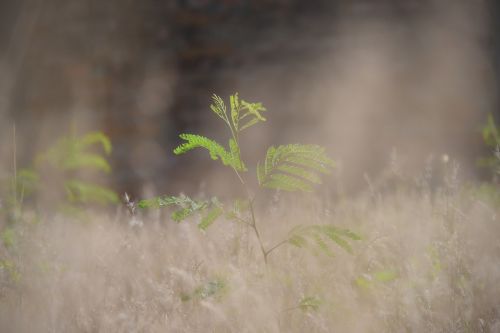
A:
{"x":293,"y":167}
{"x":310,"y":303}
{"x":54,"y":172}
{"x":491,"y":138}
{"x":73,"y":154}
{"x":27,"y":181}
{"x":9,"y":238}
{"x":491,"y":135}
{"x":315,"y":236}
{"x":368,"y":281}
{"x":230,"y":158}
{"x":385,"y":276}
{"x":210,"y":217}
{"x":486,"y":192}
{"x":208,"y":211}
{"x":243,"y":114}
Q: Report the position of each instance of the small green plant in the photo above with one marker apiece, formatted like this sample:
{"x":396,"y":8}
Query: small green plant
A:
{"x":293,"y":167}
{"x":57,"y":169}
{"x":71,"y":154}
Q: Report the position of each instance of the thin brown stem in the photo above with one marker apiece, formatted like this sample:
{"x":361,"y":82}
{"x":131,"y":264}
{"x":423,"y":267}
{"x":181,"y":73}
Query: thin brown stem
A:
{"x":253,"y":223}
{"x":276,"y":246}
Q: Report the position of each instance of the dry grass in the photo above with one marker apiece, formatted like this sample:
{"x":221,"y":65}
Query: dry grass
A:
{"x":429,"y":261}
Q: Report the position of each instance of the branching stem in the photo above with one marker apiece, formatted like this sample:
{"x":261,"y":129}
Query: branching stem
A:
{"x":276,"y":246}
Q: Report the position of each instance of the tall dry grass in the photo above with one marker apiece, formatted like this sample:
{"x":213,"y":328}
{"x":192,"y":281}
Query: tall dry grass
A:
{"x":429,"y":261}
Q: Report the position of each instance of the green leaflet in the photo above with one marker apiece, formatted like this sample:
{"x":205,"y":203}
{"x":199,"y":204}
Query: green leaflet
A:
{"x":69,"y":153}
{"x":240,"y":110}
{"x":235,"y":155}
{"x":182,"y":214}
{"x":252,"y":112}
{"x":210,"y":218}
{"x":235,"y":110}
{"x":197,"y":141}
{"x":286,"y":182}
{"x":219,"y":108}
{"x":306,"y":236}
{"x":209,"y":211}
{"x":158,"y":202}
{"x":293,"y":167}
{"x":298,"y":241}
{"x":72,"y":153}
{"x":215,"y":150}
{"x":92,"y":138}
{"x":296,"y":171}
{"x":321,"y":244}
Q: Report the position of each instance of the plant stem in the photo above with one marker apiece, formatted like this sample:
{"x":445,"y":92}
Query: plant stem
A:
{"x":276,"y":246}
{"x":253,"y":223}
{"x":256,"y":230}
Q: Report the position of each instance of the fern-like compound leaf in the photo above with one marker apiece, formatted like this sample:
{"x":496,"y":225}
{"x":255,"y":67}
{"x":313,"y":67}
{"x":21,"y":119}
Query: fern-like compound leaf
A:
{"x":244,"y":114}
{"x":69,"y":153}
{"x":185,"y":207}
{"x":215,"y":150}
{"x":86,"y":160}
{"x":219,"y":108}
{"x":300,"y":172}
{"x":210,"y":218}
{"x":182,"y":214}
{"x":306,"y":236}
{"x":236,"y":161}
{"x":252,"y":113}
{"x":293,"y":167}
{"x":321,"y":244}
{"x":158,"y":202}
{"x":297,"y":240}
{"x":235,"y":110}
{"x":286,"y":182}
{"x":92,"y":138}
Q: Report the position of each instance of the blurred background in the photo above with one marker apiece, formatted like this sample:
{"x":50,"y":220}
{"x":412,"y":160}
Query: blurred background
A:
{"x":367,"y":79}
